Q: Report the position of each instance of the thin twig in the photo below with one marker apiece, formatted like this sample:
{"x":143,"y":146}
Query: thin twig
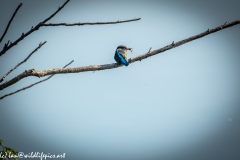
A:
{"x":39,"y":46}
{"x":33,"y":83}
{"x":89,"y":23}
{"x":47,"y":19}
{"x":10,"y":22}
{"x":149,"y":49}
{"x":37,"y":73}
{"x":5,"y":48}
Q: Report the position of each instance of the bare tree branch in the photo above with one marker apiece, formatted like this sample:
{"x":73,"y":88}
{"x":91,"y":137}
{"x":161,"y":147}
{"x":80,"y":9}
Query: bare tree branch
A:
{"x":179,"y":43}
{"x":10,"y":22}
{"x":7,"y":47}
{"x":39,"y":46}
{"x":33,"y":83}
{"x":89,"y":23}
{"x":36,"y":73}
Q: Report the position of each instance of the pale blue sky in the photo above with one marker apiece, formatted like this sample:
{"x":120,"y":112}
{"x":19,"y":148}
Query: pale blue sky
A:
{"x":171,"y":106}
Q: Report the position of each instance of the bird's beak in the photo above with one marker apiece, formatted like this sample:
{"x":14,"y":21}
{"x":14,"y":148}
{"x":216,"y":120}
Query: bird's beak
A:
{"x":130,"y":49}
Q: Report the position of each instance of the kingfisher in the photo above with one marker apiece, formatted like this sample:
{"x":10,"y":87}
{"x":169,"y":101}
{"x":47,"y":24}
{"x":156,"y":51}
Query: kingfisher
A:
{"x":121,"y":55}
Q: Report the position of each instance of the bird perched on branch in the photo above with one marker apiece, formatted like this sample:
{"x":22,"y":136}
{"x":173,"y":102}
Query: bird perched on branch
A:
{"x":121,"y":55}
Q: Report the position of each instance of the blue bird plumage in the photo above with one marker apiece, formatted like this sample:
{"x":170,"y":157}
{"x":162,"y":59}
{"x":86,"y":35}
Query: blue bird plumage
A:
{"x":121,"y":55}
{"x":120,"y":59}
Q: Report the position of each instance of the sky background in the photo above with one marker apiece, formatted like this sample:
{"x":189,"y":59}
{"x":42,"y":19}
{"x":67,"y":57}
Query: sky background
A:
{"x":182,"y":104}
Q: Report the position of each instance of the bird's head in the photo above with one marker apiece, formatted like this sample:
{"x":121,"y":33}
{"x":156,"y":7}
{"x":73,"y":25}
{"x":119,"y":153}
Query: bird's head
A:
{"x":124,"y":48}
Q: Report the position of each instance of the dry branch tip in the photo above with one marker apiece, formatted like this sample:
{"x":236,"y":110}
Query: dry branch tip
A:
{"x":150,"y":50}
{"x":10,"y":21}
